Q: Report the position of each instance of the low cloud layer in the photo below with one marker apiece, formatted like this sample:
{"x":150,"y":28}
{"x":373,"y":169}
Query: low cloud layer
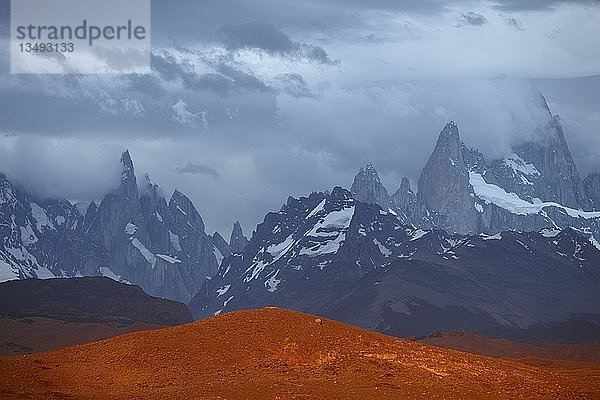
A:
{"x":248,"y":104}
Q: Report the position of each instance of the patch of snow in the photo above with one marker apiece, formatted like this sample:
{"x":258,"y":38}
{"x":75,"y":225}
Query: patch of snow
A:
{"x":27,"y":235}
{"x":174,"y":241}
{"x":322,"y":264}
{"x":526,"y":181}
{"x":550,"y":232}
{"x":256,"y":268}
{"x":333,"y":228}
{"x":180,"y":210}
{"x":44,"y":273}
{"x":328,"y":247}
{"x":7,"y":272}
{"x":408,"y":256}
{"x":169,"y":259}
{"x":334,"y":220}
{"x":218,"y":255}
{"x":595,"y":242}
{"x":362,"y":232}
{"x":279,"y":249}
{"x":60,"y":220}
{"x":40,"y":216}
{"x":21,"y":254}
{"x":107,"y":272}
{"x":497,"y":236}
{"x":384,"y":250}
{"x":272,"y":282}
{"x":130,"y":228}
{"x":519,"y":165}
{"x":493,"y":194}
{"x":453,"y":242}
{"x":222,"y":290}
{"x":159,"y":217}
{"x":317,"y":209}
{"x":147,"y":254}
{"x":418,"y":234}
{"x":392,"y":212}
{"x":227,"y":301}
{"x":479,"y":207}
{"x":276,"y":229}
{"x":452,"y":161}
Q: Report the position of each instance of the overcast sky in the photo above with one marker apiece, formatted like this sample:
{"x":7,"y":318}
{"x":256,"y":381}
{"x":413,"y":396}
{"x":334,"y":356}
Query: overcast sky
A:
{"x":254,"y":100}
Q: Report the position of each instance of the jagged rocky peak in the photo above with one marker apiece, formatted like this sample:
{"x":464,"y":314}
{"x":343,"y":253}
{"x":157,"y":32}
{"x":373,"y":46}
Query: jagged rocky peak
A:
{"x":155,"y":211}
{"x":449,"y":142}
{"x":151,"y":190}
{"x":182,"y":209}
{"x":367,"y":187}
{"x":221,"y":244}
{"x":405,"y":186}
{"x":90,"y":214}
{"x":238,"y":241}
{"x":404,"y":198}
{"x":444,"y":186}
{"x":128,"y":171}
{"x":547,"y":149}
{"x":340,"y":197}
{"x":592,"y":189}
{"x":132,"y":235}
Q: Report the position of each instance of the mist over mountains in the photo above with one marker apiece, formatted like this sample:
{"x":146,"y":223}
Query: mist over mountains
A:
{"x":325,"y":98}
{"x":528,"y":217}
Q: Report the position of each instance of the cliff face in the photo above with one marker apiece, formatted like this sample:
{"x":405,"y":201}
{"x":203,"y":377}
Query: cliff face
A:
{"x":367,"y":187}
{"x":133,"y":236}
{"x":444,"y":186}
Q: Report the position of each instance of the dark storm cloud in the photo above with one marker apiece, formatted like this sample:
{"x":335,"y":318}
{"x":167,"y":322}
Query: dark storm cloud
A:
{"x":149,"y":85}
{"x":538,"y":5}
{"x":225,"y":79}
{"x":473,"y":18}
{"x":257,"y":35}
{"x":261,"y":105}
{"x":178,"y":20}
{"x":419,"y":6}
{"x":264,"y":36}
{"x":137,"y":104}
{"x":197,"y":168}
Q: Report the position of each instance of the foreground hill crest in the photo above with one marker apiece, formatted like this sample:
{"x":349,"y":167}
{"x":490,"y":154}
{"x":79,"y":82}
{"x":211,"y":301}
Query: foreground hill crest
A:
{"x":286,"y":355}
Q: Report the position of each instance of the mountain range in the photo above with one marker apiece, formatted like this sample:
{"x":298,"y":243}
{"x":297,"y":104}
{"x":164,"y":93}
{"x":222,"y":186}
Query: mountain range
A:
{"x":134,"y":235}
{"x":481,"y":245}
